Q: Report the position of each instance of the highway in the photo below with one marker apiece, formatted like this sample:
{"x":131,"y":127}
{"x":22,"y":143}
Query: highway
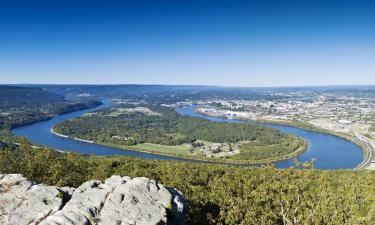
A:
{"x":370,"y":145}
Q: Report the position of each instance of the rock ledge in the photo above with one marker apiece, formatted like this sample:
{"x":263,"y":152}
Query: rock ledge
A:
{"x":117,"y":200}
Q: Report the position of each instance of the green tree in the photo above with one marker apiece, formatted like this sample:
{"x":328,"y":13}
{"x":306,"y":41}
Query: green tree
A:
{"x":24,"y":143}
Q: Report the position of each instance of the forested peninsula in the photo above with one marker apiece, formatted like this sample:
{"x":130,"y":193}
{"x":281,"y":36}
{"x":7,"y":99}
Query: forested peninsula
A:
{"x":161,"y":130}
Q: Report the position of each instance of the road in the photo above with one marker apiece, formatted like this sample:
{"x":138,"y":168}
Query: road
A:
{"x":370,"y":145}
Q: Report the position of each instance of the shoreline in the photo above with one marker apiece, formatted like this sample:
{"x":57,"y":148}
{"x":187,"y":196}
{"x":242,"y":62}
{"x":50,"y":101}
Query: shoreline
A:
{"x":367,"y":152}
{"x":74,"y":138}
{"x":296,"y":153}
{"x":51,"y":117}
{"x":58,"y":134}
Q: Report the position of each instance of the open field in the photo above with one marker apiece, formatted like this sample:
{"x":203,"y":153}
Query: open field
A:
{"x":164,"y":149}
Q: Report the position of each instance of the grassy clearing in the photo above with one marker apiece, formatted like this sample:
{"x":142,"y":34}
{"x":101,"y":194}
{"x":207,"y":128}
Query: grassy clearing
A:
{"x":173,"y":150}
{"x":253,"y":155}
{"x":165,"y":149}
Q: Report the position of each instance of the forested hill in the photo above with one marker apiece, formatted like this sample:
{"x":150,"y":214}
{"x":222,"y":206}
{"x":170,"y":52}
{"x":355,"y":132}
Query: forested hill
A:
{"x":24,"y":97}
{"x":23,"y":105}
{"x":162,"y":93}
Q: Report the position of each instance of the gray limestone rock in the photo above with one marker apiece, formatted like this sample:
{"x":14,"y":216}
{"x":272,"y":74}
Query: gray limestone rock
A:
{"x":117,"y":200}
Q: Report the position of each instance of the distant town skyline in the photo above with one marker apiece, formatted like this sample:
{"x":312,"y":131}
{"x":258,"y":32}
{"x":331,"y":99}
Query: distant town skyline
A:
{"x":221,"y":43}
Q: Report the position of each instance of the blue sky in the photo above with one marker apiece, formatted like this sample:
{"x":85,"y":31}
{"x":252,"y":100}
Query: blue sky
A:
{"x":230,"y":43}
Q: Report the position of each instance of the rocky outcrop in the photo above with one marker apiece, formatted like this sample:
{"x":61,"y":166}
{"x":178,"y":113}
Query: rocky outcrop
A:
{"x":117,"y":201}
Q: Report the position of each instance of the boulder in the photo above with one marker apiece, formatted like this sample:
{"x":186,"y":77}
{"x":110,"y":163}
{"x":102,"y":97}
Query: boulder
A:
{"x":117,"y":200}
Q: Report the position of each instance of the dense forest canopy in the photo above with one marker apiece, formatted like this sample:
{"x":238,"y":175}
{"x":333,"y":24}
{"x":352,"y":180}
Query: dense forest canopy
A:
{"x":218,"y":194}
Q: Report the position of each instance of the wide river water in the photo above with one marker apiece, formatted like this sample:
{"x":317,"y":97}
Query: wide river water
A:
{"x":330,"y":152}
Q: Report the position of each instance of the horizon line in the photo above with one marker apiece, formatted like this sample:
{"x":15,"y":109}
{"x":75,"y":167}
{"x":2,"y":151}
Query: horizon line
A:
{"x":198,"y":85}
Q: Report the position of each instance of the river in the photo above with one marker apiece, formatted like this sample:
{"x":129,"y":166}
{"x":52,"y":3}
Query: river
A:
{"x":330,"y":152}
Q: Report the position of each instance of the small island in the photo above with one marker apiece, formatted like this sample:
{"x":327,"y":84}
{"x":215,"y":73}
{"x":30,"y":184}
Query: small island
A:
{"x":160,"y":130}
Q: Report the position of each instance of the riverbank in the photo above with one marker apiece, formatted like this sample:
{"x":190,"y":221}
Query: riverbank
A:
{"x":367,"y":151}
{"x":297,"y":152}
{"x":58,"y":134}
{"x":49,"y":117}
{"x":66,"y":136}
{"x":368,"y":162}
{"x":365,"y":147}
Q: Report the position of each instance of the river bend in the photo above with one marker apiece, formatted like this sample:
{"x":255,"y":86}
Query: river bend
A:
{"x":330,"y":152}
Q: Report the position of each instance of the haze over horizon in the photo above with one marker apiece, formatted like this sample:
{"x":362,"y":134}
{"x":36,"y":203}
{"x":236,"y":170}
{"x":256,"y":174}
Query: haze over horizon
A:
{"x":222,"y":43}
